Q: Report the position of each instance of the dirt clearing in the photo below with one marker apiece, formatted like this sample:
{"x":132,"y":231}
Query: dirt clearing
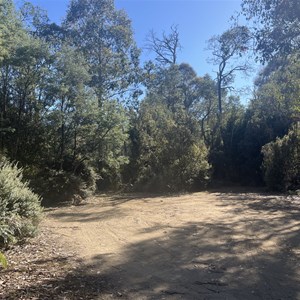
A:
{"x":197,"y":246}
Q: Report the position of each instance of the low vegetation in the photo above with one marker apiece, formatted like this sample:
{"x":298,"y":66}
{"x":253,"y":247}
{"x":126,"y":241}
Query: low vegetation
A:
{"x":20,"y":209}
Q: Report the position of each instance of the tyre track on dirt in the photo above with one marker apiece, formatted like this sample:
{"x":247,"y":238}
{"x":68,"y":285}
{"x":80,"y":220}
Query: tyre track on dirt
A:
{"x":194,"y":246}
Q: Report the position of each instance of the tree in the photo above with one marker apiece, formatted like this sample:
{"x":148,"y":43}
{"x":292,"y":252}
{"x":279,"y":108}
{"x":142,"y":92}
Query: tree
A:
{"x":165,"y":48}
{"x":227,"y":158}
{"x":269,"y":115}
{"x":82,"y":133}
{"x":277,"y":93}
{"x":180,"y":87}
{"x":276,"y":26}
{"x":11,"y":35}
{"x":281,"y":162}
{"x":68,"y":89}
{"x":104,"y":36}
{"x":11,"y":29}
{"x":106,"y":143}
{"x":172,"y":155}
{"x":205,"y":109}
{"x":227,"y":50}
{"x":169,"y":152}
{"x":34,"y":19}
{"x":25,"y":77}
{"x":275,"y":106}
{"x":22,"y":98}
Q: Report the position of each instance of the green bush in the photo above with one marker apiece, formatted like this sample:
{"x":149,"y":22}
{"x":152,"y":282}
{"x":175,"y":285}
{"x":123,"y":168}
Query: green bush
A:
{"x":20,"y":209}
{"x":71,"y":181}
{"x":281,"y":163}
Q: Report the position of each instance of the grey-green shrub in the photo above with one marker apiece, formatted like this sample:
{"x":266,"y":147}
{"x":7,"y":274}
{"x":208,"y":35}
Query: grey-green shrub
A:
{"x":281,"y":162}
{"x":20,"y":209}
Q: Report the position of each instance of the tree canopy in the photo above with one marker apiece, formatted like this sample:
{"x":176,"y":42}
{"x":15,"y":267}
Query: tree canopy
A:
{"x":80,"y":113}
{"x":276,"y":26}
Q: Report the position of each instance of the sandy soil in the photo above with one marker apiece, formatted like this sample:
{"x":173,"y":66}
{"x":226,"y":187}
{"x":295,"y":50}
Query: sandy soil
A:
{"x":208,"y":245}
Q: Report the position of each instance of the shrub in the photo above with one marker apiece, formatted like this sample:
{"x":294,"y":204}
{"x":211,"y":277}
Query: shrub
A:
{"x":20,"y":209}
{"x":71,"y":181}
{"x":281,"y":163}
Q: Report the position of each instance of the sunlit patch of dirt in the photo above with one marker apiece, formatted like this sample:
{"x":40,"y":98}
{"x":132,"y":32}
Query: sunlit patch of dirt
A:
{"x":209,"y":245}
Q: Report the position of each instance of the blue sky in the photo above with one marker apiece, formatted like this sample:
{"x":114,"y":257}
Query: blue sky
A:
{"x":197,"y":21}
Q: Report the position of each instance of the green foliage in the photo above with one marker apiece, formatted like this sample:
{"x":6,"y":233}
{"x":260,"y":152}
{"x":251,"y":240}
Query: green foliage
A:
{"x":22,"y":98}
{"x":11,"y":30}
{"x":279,"y":88}
{"x":71,"y":111}
{"x":269,"y":115}
{"x":105,"y":37}
{"x":276,"y":26}
{"x":59,"y":99}
{"x":69,"y":180}
{"x":3,"y":261}
{"x":20,"y":209}
{"x":168,"y":148}
{"x":105,"y":143}
{"x":227,"y":51}
{"x":171,"y":155}
{"x":227,"y":157}
{"x":281,"y":162}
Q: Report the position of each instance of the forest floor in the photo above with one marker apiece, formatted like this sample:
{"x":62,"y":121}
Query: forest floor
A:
{"x":207,"y":245}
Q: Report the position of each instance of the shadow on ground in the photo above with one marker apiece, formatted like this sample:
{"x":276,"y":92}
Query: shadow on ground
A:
{"x":255,"y":258}
{"x":84,"y":217}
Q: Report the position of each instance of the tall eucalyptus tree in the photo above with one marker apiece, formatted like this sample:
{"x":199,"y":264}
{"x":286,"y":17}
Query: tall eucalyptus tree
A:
{"x":104,"y":35}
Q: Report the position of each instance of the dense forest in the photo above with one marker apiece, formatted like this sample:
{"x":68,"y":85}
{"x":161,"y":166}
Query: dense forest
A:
{"x":80,"y":113}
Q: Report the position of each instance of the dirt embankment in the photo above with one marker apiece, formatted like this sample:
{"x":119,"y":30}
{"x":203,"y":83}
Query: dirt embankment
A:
{"x":196,"y":246}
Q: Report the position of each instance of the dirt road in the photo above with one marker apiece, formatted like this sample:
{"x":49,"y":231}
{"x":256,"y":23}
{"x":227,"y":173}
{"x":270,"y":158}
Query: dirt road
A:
{"x":197,"y":246}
